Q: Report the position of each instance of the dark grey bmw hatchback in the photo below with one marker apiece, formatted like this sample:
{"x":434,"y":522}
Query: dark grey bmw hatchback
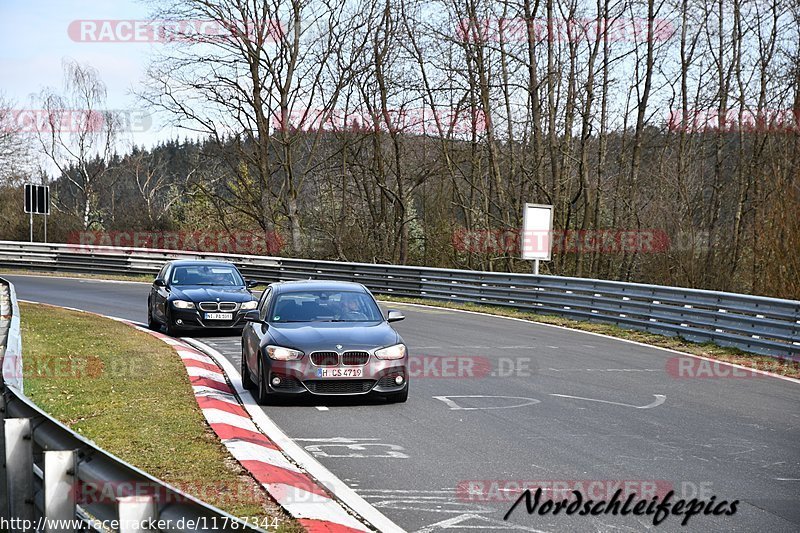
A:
{"x":323,"y":338}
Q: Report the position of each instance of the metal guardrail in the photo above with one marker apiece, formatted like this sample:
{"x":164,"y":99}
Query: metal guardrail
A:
{"x":56,"y":480}
{"x":753,"y":324}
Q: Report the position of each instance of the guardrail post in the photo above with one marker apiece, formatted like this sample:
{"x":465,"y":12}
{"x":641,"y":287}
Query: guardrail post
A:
{"x":59,"y":490}
{"x":134,"y":513}
{"x":19,"y":469}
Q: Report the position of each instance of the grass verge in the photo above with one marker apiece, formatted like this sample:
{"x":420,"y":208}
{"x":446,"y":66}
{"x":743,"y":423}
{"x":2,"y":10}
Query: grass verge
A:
{"x":144,"y":278}
{"x":129,"y":392}
{"x":775,"y":365}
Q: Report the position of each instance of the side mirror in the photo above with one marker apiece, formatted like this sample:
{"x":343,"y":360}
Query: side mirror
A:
{"x":250,"y":283}
{"x":160,"y":283}
{"x":394,"y":316}
{"x":252,"y":316}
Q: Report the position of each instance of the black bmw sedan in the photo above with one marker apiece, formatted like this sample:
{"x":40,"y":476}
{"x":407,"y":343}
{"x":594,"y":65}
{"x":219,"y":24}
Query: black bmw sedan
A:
{"x":194,"y":294}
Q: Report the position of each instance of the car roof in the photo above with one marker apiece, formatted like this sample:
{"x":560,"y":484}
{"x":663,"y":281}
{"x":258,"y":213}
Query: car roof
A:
{"x":317,"y":285}
{"x":192,"y":262}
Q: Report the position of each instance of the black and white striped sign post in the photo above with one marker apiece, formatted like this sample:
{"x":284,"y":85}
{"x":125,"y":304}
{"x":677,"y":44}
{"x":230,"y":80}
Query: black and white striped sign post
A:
{"x":37,"y":201}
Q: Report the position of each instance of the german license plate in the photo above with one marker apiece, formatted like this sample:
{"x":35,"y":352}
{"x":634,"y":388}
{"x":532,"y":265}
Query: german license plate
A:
{"x":340,"y":372}
{"x":219,"y":316}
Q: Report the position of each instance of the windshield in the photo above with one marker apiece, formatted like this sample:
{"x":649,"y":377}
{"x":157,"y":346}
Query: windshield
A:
{"x":325,"y":306}
{"x":219,"y":275}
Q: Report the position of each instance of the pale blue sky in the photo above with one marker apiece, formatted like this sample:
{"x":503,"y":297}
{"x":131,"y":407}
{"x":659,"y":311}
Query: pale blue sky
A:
{"x":34,"y":41}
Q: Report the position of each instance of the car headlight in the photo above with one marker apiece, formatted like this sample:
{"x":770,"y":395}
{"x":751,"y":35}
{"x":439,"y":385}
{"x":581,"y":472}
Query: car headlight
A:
{"x":279,"y":353}
{"x":246,"y":306}
{"x":182,"y":304}
{"x":398,"y":351}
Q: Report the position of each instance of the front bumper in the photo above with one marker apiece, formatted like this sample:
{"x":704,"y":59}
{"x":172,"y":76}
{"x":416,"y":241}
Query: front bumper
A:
{"x":301,"y":377}
{"x":195,"y":319}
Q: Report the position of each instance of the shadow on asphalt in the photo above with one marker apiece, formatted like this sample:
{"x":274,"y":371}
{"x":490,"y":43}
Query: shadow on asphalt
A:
{"x":220,"y":332}
{"x":307,"y":400}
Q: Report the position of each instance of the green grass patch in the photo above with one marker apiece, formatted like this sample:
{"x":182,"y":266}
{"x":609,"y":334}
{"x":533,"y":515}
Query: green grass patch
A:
{"x":712,"y":351}
{"x":129,"y":392}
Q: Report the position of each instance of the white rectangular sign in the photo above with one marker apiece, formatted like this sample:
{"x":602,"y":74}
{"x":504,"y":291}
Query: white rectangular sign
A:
{"x":537,"y":232}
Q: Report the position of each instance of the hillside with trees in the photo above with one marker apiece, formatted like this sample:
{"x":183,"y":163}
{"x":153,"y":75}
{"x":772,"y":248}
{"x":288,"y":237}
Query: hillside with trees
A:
{"x":413,"y":132}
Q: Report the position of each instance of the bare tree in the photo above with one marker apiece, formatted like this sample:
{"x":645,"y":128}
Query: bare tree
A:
{"x":15,"y":156}
{"x":78,"y":135}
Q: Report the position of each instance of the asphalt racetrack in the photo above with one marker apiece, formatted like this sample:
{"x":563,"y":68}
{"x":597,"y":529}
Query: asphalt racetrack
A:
{"x":496,"y":403}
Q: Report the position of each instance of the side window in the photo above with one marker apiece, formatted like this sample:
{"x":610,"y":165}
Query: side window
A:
{"x":163,"y":273}
{"x":263,"y":304}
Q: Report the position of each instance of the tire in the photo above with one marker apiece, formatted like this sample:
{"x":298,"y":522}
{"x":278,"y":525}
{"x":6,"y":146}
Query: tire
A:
{"x":398,"y":397}
{"x":151,"y":323}
{"x":172,"y":331}
{"x":263,"y":396}
{"x":247,"y":382}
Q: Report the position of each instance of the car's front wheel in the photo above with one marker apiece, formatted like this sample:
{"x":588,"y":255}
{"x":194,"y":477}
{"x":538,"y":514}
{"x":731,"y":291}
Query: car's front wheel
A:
{"x":151,"y":323}
{"x":247,"y":382}
{"x":263,"y":395}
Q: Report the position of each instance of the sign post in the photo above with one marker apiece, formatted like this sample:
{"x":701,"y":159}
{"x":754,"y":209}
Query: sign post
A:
{"x":537,"y":234}
{"x":37,"y":201}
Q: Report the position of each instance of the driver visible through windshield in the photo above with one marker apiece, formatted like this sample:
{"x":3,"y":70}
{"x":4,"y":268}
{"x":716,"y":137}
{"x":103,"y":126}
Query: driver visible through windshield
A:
{"x":325,"y":306}
{"x":218,"y":275}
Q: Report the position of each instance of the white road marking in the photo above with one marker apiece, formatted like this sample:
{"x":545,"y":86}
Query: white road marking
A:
{"x":322,"y":408}
{"x":439,"y":505}
{"x":457,"y":522}
{"x":660,"y":398}
{"x":341,"y":440}
{"x":357,"y":449}
{"x":455,"y":407}
{"x":606,"y":369}
{"x":413,"y":491}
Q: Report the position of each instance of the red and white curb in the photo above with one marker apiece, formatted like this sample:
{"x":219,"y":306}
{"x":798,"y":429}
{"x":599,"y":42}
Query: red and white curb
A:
{"x":299,"y":456}
{"x":297,"y":492}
